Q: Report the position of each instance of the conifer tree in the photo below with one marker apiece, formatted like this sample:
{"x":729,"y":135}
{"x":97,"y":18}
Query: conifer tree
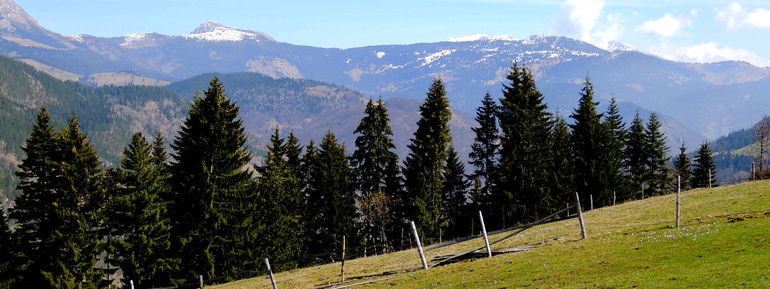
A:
{"x":375,"y":166}
{"x":704,"y":166}
{"x":562,"y":177}
{"x":332,"y":197}
{"x":283,"y":208}
{"x":138,"y":220}
{"x":292,"y":150}
{"x":79,"y":205}
{"x":682,"y":167}
{"x":456,"y":211}
{"x":614,"y":150}
{"x":34,"y":209}
{"x":636,"y":158}
{"x":7,"y":275}
{"x":424,"y":166}
{"x":657,"y":174}
{"x":213,"y":187}
{"x":590,"y":142}
{"x":524,"y":158}
{"x":484,"y":154}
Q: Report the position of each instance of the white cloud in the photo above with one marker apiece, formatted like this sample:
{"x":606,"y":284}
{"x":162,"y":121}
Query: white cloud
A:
{"x":735,"y":16}
{"x":708,"y":52}
{"x":579,"y":17}
{"x":583,"y":19}
{"x":666,"y":26}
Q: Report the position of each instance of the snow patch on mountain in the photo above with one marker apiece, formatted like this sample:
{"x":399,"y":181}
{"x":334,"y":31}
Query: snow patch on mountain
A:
{"x":379,"y":54}
{"x":134,"y":39}
{"x":215,"y":32}
{"x":436,"y":56}
{"x":482,"y":37}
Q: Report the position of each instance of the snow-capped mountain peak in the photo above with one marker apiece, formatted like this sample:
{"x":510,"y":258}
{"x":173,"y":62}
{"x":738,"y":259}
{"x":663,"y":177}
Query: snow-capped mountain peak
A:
{"x":215,"y":32}
{"x":482,"y":37}
{"x":12,"y":15}
{"x":617,"y":46}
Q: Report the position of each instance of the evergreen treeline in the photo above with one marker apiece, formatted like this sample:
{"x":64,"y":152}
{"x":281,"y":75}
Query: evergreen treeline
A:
{"x":204,"y":208}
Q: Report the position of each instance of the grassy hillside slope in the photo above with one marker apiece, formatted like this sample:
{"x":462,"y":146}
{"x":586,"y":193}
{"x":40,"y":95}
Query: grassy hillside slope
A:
{"x":724,"y":242}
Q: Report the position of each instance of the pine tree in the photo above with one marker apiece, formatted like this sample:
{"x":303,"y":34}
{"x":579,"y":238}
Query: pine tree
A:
{"x":524,"y":159}
{"x":636,"y":158}
{"x":78,"y":210}
{"x":456,"y":211}
{"x":34,"y":209}
{"x":138,"y":220}
{"x":682,"y":167}
{"x":292,"y":150}
{"x":562,"y":177}
{"x":614,"y":150}
{"x":424,"y":166}
{"x":484,"y":157}
{"x":7,"y":275}
{"x":374,"y":162}
{"x":657,"y":174}
{"x":704,"y":167}
{"x":332,"y":197}
{"x":283,"y":208}
{"x":590,"y":141}
{"x":213,"y":187}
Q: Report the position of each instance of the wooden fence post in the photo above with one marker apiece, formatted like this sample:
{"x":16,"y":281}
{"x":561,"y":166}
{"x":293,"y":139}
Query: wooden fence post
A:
{"x":342,"y":271}
{"x":270,"y":272}
{"x":614,"y":198}
{"x":484,"y":231}
{"x":419,"y":246}
{"x":678,"y":191}
{"x":132,"y":283}
{"x":709,"y":178}
{"x":580,"y":217}
{"x":200,"y":279}
{"x":591,"y":196}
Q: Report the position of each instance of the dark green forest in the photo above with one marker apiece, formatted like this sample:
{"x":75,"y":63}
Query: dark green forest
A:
{"x":162,"y":217}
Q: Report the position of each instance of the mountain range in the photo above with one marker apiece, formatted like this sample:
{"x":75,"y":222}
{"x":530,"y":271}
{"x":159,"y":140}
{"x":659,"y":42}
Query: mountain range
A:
{"x":707,"y":100}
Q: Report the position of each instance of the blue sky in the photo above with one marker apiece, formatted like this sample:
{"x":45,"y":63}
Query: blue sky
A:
{"x":685,"y":30}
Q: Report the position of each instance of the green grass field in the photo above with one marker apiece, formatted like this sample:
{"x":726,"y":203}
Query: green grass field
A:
{"x":724,"y":242}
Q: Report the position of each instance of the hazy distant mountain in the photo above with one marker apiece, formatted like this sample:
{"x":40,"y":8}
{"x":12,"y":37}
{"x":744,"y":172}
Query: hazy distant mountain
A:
{"x":712,"y":99}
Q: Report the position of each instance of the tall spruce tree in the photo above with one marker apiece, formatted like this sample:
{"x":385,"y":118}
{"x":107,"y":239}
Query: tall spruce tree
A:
{"x":524,"y":159}
{"x":589,"y":140}
{"x":35,"y":205}
{"x":138,"y":220}
{"x":213,"y":186}
{"x":455,"y":213}
{"x":283,"y":208}
{"x":614,"y":149}
{"x":484,"y":154}
{"x":292,"y":150}
{"x":374,"y":171}
{"x":424,"y":166}
{"x":79,"y":207}
{"x":562,"y":174}
{"x":332,"y":197}
{"x":703,"y":167}
{"x":657,"y":175}
{"x":682,"y":167}
{"x":7,"y":275}
{"x":636,"y":159}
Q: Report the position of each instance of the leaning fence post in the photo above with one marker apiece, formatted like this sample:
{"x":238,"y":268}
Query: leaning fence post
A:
{"x":342,"y":271}
{"x":419,"y":246}
{"x":200,"y":280}
{"x":580,"y":217}
{"x":484,"y":231}
{"x":678,"y":191}
{"x":270,"y":272}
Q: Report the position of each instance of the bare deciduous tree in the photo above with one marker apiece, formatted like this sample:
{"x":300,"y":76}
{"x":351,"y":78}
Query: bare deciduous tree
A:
{"x":761,"y":145}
